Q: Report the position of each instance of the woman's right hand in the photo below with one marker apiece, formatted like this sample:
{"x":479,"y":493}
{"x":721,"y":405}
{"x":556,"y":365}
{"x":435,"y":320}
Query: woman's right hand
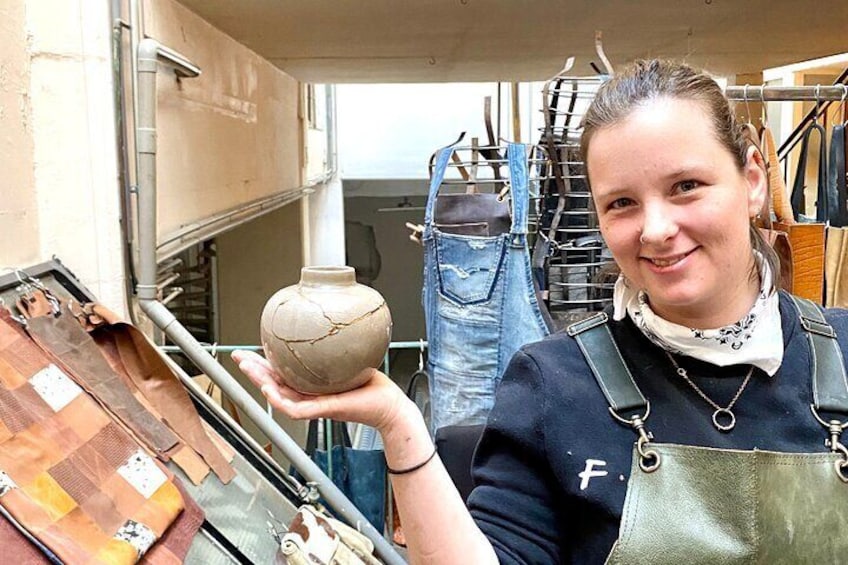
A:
{"x":379,"y":403}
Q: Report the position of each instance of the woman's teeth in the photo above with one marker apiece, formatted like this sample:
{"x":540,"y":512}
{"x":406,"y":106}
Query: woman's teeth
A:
{"x":667,"y":262}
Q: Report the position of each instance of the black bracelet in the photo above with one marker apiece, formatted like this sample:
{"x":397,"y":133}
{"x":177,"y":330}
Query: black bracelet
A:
{"x":411,"y":469}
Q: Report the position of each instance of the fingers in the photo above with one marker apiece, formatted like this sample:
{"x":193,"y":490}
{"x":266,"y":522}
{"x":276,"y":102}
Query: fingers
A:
{"x":255,"y":367}
{"x":373,"y":403}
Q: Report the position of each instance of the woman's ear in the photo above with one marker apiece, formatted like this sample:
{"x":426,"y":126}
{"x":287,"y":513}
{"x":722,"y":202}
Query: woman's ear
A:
{"x":756,"y":177}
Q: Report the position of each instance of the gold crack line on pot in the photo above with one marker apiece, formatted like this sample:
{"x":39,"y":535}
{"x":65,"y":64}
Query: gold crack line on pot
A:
{"x":337,"y":326}
{"x":302,"y":364}
{"x":334,"y":323}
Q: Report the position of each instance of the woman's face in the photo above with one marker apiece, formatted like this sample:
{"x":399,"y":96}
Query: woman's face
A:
{"x":675,"y":209}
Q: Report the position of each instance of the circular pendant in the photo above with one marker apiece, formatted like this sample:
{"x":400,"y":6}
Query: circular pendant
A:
{"x":724,"y":419}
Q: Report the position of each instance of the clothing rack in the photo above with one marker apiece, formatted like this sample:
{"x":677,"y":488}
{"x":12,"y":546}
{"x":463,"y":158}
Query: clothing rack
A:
{"x":568,"y":253}
{"x":828,"y":94}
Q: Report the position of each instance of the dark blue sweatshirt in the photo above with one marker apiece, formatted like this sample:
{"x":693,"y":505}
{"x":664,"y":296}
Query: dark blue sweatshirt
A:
{"x":552,"y":466}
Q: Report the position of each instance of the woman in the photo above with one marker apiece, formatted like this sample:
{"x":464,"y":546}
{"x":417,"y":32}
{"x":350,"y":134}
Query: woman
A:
{"x":718,"y":355}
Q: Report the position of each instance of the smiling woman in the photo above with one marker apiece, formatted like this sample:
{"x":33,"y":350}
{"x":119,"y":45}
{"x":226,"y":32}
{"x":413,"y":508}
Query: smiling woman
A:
{"x":699,"y":350}
{"x":675,"y":210}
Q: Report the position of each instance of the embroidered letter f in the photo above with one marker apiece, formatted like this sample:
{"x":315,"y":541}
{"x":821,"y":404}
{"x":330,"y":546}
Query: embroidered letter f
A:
{"x":590,"y":472}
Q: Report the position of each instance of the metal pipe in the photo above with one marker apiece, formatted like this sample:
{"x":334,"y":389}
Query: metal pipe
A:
{"x":786,"y":93}
{"x":148,"y":53}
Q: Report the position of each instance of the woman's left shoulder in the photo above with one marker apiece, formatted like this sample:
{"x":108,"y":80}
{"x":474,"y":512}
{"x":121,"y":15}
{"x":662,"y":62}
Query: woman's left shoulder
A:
{"x":836,"y":317}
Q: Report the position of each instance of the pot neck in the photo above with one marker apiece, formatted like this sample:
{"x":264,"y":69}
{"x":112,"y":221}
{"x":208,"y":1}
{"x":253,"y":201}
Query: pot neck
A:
{"x":330,"y":275}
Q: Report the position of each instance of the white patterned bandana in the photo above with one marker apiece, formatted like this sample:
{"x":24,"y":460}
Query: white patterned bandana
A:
{"x":756,"y":339}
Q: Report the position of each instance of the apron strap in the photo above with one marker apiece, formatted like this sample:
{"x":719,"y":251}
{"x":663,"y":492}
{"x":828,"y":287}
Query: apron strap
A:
{"x":830,"y":385}
{"x":601,"y":352}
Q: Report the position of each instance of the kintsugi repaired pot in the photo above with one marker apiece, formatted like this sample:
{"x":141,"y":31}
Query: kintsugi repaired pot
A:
{"x":321,"y":333}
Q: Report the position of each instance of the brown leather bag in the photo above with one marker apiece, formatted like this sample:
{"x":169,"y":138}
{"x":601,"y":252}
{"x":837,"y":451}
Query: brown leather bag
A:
{"x":805,"y":239}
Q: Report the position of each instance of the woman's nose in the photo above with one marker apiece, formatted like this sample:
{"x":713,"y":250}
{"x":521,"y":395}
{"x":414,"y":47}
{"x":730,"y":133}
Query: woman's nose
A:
{"x":658,"y":225}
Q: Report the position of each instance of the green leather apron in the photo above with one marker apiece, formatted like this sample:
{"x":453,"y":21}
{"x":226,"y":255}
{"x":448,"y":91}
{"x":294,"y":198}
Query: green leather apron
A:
{"x":688,"y":504}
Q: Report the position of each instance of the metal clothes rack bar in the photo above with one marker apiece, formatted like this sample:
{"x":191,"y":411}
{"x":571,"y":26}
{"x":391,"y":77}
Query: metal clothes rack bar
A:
{"x":819,"y":93}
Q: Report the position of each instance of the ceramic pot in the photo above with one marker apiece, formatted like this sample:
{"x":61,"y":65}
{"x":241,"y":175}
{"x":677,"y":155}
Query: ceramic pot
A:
{"x":322,"y":332}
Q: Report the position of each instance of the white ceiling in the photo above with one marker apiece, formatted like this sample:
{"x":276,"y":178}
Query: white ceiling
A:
{"x":516,"y":40}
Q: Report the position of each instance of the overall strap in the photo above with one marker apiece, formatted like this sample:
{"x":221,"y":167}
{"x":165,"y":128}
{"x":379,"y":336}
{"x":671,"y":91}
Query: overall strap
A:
{"x":519,"y":180}
{"x":601,"y":352}
{"x":437,"y":174}
{"x":830,"y":385}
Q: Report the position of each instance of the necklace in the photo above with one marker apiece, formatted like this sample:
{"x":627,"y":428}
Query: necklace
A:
{"x":721,"y":414}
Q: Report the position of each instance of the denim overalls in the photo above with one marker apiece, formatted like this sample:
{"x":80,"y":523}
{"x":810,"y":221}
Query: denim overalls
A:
{"x":479,"y":303}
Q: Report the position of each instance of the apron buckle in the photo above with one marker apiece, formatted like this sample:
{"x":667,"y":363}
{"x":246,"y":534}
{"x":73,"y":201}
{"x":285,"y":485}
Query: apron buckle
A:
{"x":835,"y":429}
{"x":649,"y":459}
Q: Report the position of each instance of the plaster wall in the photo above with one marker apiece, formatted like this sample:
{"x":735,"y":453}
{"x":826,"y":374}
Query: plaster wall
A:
{"x":230,"y":136}
{"x":18,"y":213}
{"x":60,"y":194}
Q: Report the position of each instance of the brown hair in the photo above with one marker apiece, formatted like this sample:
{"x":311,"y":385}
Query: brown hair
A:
{"x":644,"y":81}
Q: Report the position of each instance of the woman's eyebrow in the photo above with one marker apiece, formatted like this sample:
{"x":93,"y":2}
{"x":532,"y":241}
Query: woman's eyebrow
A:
{"x":686,"y":170}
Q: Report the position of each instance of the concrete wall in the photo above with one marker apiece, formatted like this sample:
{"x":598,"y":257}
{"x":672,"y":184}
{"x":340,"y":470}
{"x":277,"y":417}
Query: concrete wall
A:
{"x":230,"y":136}
{"x":400,"y":279}
{"x":255,"y":260}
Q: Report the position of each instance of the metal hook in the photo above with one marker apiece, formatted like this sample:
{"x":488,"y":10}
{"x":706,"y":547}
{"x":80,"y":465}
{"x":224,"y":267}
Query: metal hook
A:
{"x":421,"y":355}
{"x":764,"y":113}
{"x":747,"y":101}
{"x":841,"y":110}
{"x":19,"y":319}
{"x":818,"y":105}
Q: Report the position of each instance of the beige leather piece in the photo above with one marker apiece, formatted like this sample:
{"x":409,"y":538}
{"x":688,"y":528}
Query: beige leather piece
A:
{"x":227,"y":451}
{"x":723,"y":507}
{"x":836,"y":273}
{"x":191,"y":463}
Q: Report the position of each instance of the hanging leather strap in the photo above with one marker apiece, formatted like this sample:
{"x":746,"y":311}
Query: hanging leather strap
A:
{"x":601,"y":352}
{"x":490,"y":153}
{"x":777,"y":186}
{"x":837,"y":195}
{"x":797,"y":199}
{"x":830,"y":385}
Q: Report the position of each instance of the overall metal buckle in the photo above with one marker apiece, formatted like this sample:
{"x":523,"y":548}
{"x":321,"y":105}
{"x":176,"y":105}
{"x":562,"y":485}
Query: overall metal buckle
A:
{"x":835,"y":429}
{"x":649,"y":459}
